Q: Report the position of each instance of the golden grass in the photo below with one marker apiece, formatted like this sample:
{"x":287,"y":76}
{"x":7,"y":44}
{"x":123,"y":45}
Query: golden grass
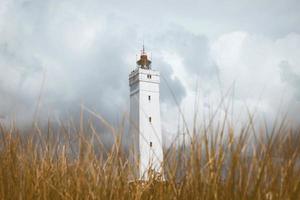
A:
{"x":70,"y":163}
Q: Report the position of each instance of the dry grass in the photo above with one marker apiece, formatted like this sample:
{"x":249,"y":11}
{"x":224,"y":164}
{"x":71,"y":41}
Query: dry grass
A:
{"x":70,"y":163}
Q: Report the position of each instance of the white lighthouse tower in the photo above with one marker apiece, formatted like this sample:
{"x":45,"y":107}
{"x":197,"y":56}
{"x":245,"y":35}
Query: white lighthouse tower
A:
{"x":145,"y":127}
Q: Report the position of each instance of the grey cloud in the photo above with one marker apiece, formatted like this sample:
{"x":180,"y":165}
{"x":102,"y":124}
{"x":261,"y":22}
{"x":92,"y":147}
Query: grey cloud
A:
{"x":170,"y":86}
{"x":82,"y":47}
{"x":34,"y":42}
{"x":290,"y":77}
{"x":194,"y":49}
{"x":268,"y":17}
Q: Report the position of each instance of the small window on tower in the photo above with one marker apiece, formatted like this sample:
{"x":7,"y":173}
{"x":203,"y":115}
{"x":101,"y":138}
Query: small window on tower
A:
{"x":148,"y":75}
{"x":149,"y":97}
{"x":150,"y":119}
{"x":150,"y":144}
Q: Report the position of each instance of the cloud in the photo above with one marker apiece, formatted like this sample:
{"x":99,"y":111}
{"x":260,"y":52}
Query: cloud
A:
{"x":81,"y":54}
{"x":252,"y":61}
{"x":86,"y":50}
{"x":290,"y":77}
{"x":193,"y":50}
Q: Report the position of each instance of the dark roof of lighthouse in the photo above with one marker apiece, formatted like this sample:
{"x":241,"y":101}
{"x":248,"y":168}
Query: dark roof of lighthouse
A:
{"x":144,"y":62}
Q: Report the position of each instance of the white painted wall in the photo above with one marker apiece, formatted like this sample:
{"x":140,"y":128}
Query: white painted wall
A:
{"x":142,"y":131}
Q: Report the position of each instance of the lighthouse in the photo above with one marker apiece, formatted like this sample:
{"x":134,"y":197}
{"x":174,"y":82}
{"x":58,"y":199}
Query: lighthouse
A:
{"x":145,"y":127}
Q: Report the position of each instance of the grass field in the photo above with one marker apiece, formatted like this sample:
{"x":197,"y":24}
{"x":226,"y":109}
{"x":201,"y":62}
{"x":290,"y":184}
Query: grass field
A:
{"x":217,"y":163}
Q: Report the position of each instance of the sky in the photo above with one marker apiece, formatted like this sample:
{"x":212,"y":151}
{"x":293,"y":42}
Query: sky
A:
{"x":57,"y":55}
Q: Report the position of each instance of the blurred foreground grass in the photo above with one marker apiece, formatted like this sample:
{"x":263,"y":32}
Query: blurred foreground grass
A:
{"x":70,"y":163}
